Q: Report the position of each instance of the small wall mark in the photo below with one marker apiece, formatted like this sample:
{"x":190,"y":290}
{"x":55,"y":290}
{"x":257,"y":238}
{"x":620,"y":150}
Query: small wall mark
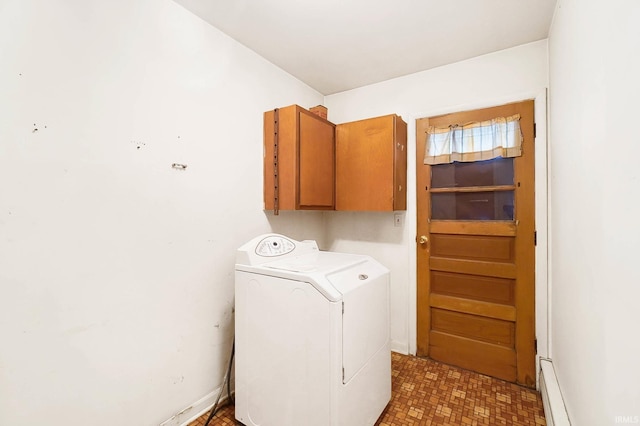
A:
{"x":138,"y":144}
{"x":37,"y":128}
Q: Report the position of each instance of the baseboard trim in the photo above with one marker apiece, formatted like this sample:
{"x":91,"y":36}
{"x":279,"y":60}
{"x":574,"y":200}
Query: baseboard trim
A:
{"x":555,"y":410}
{"x":195,"y":410}
{"x":399,"y":347}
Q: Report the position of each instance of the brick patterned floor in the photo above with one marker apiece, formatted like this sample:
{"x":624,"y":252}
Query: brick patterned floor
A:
{"x":426,"y":392}
{"x":224,"y":417}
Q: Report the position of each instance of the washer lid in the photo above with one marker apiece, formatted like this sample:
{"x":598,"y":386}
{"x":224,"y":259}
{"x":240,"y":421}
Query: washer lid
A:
{"x":312,"y":268}
{"x":350,"y":279}
{"x":319,"y":262}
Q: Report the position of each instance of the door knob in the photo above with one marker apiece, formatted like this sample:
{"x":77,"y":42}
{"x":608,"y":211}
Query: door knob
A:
{"x":423,"y":239}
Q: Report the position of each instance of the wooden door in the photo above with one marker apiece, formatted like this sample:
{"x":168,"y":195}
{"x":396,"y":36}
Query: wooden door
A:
{"x":475,"y":254}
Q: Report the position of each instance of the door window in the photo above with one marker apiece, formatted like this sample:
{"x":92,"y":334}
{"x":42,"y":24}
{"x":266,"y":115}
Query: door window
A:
{"x":479,"y":190}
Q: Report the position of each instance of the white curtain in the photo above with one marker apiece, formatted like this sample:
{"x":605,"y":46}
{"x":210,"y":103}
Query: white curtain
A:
{"x":500,"y":137}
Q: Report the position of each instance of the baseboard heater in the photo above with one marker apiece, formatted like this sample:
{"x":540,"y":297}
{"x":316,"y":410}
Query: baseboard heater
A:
{"x":555,"y":410}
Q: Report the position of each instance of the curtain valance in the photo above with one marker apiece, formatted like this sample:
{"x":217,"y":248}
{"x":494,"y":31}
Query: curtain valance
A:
{"x":499,"y":137}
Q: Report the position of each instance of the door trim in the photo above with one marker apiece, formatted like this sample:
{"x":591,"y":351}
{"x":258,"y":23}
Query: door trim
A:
{"x":542,"y":279}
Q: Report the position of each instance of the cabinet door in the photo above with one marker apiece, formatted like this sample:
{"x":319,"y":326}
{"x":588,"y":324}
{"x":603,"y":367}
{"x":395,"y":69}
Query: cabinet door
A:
{"x":300,"y":173}
{"x":281,"y":126}
{"x":316,"y":182}
{"x":370,"y":170}
{"x":400,"y":166}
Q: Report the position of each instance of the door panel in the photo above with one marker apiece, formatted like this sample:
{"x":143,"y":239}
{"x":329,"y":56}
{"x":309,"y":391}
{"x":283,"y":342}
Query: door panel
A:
{"x":502,"y":270}
{"x":475,"y":287}
{"x":476,"y":256}
{"x":473,"y":247}
{"x":493,"y":360}
{"x":477,"y":327}
{"x":487,"y":309}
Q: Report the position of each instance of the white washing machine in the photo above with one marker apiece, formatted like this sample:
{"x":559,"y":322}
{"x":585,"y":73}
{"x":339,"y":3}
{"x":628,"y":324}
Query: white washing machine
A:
{"x":312,"y":335}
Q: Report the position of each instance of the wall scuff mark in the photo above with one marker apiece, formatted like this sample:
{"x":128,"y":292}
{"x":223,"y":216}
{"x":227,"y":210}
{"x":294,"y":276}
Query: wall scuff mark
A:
{"x":35,"y":128}
{"x":139,"y":144}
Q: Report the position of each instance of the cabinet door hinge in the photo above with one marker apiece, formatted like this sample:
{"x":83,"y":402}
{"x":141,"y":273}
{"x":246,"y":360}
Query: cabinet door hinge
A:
{"x":276,"y":175}
{"x":535,"y":130}
{"x":342,"y":308}
{"x":535,"y":238}
{"x":535,"y":345}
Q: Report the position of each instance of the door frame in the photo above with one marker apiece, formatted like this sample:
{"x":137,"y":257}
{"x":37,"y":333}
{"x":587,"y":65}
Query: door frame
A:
{"x":542,"y":267}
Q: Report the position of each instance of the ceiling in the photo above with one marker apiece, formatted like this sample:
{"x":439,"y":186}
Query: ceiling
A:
{"x":337,"y":45}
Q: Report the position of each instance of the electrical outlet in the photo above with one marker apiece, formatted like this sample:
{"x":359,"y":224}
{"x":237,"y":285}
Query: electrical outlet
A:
{"x":397,"y":219}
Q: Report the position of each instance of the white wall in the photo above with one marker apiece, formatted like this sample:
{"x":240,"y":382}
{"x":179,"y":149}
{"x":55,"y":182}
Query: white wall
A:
{"x":501,"y":77}
{"x":116,"y":271}
{"x":594,"y":90}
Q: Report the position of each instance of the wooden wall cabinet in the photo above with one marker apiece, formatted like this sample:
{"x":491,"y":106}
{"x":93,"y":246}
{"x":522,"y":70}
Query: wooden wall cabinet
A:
{"x":357,"y":166}
{"x":371,"y":164}
{"x":305,"y":160}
